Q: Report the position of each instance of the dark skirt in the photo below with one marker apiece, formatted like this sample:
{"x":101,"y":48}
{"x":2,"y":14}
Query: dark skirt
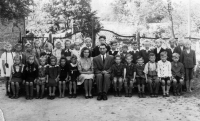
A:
{"x":52,"y":82}
{"x":19,"y":80}
{"x":30,"y":80}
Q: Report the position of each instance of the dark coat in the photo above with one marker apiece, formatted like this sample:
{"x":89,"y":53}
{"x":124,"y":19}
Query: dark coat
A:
{"x":135,"y":55}
{"x":145,"y":55}
{"x":169,"y":54}
{"x":188,"y":59}
{"x":158,"y":54}
{"x":96,"y":51}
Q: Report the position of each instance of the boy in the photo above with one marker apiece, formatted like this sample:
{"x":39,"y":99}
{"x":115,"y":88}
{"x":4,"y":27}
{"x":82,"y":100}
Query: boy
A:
{"x":171,"y":49}
{"x":189,"y":62}
{"x":151,"y":76}
{"x":164,"y":73}
{"x":135,"y":53}
{"x":158,"y":49}
{"x":145,"y":52}
{"x":113,"y":50}
{"x":140,"y":76}
{"x":179,"y":49}
{"x":177,"y":74}
{"x":124,"y":53}
{"x":117,"y":74}
{"x":129,"y":75}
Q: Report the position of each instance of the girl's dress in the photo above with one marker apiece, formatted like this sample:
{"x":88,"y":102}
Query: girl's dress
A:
{"x":73,"y":72}
{"x":57,"y":53}
{"x":85,"y":65}
{"x":8,"y":58}
{"x":53,"y":72}
{"x":17,"y":73}
{"x":30,"y":72}
{"x":42,"y":72}
{"x":63,"y":72}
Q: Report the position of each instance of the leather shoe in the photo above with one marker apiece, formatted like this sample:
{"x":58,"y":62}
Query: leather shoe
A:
{"x":105,"y":96}
{"x":99,"y":97}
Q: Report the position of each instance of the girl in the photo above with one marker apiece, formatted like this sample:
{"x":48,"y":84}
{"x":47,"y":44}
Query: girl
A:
{"x":16,"y":76}
{"x":47,"y":53}
{"x":73,"y":75}
{"x":67,"y":51}
{"x":52,"y":77}
{"x":77,"y":51}
{"x":30,"y":76}
{"x":7,"y":62}
{"x":63,"y":76}
{"x":57,"y":51}
{"x":85,"y":67}
{"x":42,"y":69}
{"x":18,"y":50}
{"x":37,"y":50}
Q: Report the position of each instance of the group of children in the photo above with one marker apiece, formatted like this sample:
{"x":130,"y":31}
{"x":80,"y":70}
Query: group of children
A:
{"x":153,"y":68}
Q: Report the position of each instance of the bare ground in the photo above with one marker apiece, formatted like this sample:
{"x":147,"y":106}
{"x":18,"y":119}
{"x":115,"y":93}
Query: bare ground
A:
{"x":114,"y":109}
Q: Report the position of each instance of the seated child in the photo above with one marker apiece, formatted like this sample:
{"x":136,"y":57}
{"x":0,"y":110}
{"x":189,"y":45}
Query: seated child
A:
{"x":63,"y":76}
{"x":73,"y":76}
{"x":42,"y":76}
{"x":128,"y":75}
{"x":124,"y":53}
{"x":150,"y":71}
{"x":177,"y":74}
{"x":117,"y":70}
{"x":30,"y":76}
{"x":16,"y":76}
{"x":164,"y":73}
{"x":53,"y":72}
{"x":140,"y":76}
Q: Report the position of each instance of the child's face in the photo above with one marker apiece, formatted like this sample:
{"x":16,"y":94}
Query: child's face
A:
{"x":152,"y":58}
{"x":102,"y":41}
{"x":164,"y":58}
{"x":187,"y":45}
{"x":124,"y":49}
{"x":172,"y":44}
{"x":31,"y":60}
{"x":118,"y":60}
{"x":86,"y":53}
{"x":17,"y":61}
{"x":77,"y":47}
{"x":53,"y":61}
{"x":67,"y":44}
{"x":140,"y":61}
{"x":73,"y":60}
{"x":42,"y":62}
{"x":135,"y":46}
{"x":88,"y":43}
{"x":58,"y":45}
{"x":158,"y":44}
{"x":129,"y":60}
{"x":62,"y":62}
{"x":175,"y":59}
{"x":37,"y":44}
{"x":114,"y":46}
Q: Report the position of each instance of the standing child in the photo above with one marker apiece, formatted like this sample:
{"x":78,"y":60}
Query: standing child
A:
{"x":73,"y":76}
{"x":113,"y":50}
{"x":52,"y":77}
{"x":164,"y":73}
{"x":16,"y":76}
{"x":30,"y":76}
{"x":63,"y":76}
{"x":57,"y":51}
{"x":42,"y":76}
{"x":145,"y":52}
{"x":189,"y":62}
{"x":140,"y":76}
{"x":135,"y":53}
{"x":177,"y":74}
{"x":117,"y":74}
{"x":77,"y":50}
{"x":129,"y":75}
{"x":158,"y":49}
{"x":151,"y":76}
{"x":124,"y":53}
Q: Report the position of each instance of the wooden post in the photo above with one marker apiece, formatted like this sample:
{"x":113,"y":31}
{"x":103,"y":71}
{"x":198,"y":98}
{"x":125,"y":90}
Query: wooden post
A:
{"x":138,"y":39}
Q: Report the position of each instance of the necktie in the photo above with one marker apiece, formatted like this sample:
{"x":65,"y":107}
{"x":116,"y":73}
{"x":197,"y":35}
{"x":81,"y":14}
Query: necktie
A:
{"x":103,"y":59}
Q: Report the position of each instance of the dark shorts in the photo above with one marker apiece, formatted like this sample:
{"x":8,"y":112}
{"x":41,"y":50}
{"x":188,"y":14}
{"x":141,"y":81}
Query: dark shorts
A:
{"x":177,"y":79}
{"x":165,"y":79}
{"x":140,"y":80}
{"x":129,"y":79}
{"x":188,"y":73}
{"x":19,"y":80}
{"x":30,"y":80}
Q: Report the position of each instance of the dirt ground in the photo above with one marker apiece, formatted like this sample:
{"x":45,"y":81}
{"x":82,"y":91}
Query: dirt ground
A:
{"x":114,"y":109}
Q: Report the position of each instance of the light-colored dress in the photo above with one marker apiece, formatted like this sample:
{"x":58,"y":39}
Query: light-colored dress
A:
{"x":10,"y":57}
{"x":85,"y":65}
{"x":57,"y":53}
{"x":77,"y":53}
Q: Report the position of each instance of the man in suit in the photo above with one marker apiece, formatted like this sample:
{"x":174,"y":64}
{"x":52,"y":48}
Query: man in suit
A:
{"x":158,"y":49}
{"x":102,"y":40}
{"x":171,"y":49}
{"x":145,"y":52}
{"x":102,"y":69}
{"x":135,"y":53}
{"x":180,"y":48}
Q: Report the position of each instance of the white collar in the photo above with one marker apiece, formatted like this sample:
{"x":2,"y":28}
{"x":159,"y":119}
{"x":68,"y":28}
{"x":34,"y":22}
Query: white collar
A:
{"x":135,"y":50}
{"x":66,"y":50}
{"x":103,"y":55}
{"x":73,"y":65}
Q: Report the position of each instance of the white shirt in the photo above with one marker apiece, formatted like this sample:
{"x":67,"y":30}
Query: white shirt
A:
{"x":150,"y":67}
{"x":104,"y":57}
{"x":158,"y":49}
{"x":164,"y":69}
{"x":134,"y":51}
{"x":181,"y":48}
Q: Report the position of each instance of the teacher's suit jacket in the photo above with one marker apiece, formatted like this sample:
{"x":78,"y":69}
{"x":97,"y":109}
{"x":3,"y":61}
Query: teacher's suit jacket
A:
{"x":99,"y":66}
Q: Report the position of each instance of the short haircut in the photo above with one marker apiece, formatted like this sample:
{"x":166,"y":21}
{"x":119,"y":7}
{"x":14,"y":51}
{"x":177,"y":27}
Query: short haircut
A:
{"x":17,"y":57}
{"x":113,"y":42}
{"x":102,"y":44}
{"x":125,"y":46}
{"x":175,"y":55}
{"x":31,"y":56}
{"x":73,"y":57}
{"x":134,"y":43}
{"x":88,"y":39}
{"x":117,"y":56}
{"x":82,"y":52}
{"x":102,"y":36}
{"x":129,"y":55}
{"x":42,"y":58}
{"x":53,"y":57}
{"x":139,"y":57}
{"x":151,"y":54}
{"x":67,"y":40}
{"x":164,"y":53}
{"x":63,"y":58}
